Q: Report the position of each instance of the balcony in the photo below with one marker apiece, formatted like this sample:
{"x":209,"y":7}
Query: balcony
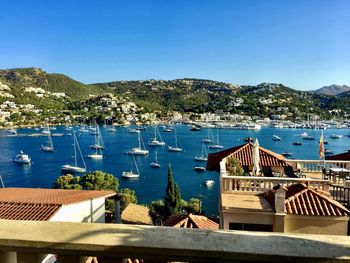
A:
{"x":27,"y":241}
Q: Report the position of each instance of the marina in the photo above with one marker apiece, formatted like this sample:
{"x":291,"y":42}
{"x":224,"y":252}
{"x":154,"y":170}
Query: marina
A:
{"x":151,"y":183}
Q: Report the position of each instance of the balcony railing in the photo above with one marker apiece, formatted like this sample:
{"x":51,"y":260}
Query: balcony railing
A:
{"x":316,"y":166}
{"x":261,"y":184}
{"x":26,"y":241}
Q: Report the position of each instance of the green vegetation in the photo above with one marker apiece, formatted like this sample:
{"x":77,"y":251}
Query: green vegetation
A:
{"x":172,"y":199}
{"x":234,"y":167}
{"x":128,"y":196}
{"x":161,"y":97}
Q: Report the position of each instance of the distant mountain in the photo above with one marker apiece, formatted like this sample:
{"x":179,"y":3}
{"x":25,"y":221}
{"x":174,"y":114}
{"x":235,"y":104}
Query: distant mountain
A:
{"x":333,"y":90}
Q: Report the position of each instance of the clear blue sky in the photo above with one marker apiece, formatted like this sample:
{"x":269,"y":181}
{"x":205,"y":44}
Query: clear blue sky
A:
{"x":302,"y":44}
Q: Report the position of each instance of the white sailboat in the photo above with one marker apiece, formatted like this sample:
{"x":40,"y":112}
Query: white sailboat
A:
{"x":98,"y":148}
{"x":154,"y":141}
{"x":155,"y":164}
{"x":75,"y":168}
{"x":49,"y":147}
{"x":203,"y":157}
{"x":216,"y":145}
{"x":210,"y":138}
{"x":175,"y":148}
{"x":99,"y":144}
{"x":139,"y":150}
{"x":132,"y":174}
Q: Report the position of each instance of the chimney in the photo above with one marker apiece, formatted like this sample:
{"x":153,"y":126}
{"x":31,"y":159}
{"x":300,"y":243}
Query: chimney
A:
{"x":117,"y":216}
{"x":280,"y":197}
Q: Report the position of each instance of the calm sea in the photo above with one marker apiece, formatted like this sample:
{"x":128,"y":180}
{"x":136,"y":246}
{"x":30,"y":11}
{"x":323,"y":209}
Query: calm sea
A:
{"x":151,"y":185}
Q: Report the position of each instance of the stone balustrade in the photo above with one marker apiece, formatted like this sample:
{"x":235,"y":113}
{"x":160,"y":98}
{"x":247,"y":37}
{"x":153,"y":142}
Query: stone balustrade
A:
{"x":262,"y":184}
{"x":316,"y":166}
{"x":28,"y":241}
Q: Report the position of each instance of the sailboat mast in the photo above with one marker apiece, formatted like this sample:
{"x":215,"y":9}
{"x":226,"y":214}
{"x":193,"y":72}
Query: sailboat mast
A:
{"x":137,"y":168}
{"x":175,"y":139}
{"x":75,"y":150}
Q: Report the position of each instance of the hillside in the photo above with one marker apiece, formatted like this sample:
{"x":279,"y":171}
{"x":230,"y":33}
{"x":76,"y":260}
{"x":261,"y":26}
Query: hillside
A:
{"x":38,"y":95}
{"x":333,"y":89}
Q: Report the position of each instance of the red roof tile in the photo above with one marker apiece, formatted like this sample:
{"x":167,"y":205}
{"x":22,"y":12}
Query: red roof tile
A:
{"x":244,"y":154}
{"x":191,"y":221}
{"x":49,"y":196}
{"x":40,"y":204}
{"x":304,"y":200}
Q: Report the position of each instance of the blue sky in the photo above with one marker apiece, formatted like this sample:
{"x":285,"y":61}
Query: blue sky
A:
{"x":302,"y":44}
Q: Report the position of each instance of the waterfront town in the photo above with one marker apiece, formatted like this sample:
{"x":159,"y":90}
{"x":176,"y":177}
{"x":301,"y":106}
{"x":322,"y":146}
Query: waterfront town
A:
{"x":184,"y":131}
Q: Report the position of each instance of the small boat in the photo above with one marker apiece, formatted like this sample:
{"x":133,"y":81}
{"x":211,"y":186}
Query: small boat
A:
{"x":98,"y":145}
{"x":304,"y":134}
{"x":12,"y":131}
{"x":133,"y":130}
{"x":336,"y":136}
{"x":203,"y":157}
{"x":216,"y":145}
{"x":175,"y":148}
{"x":68,"y":168}
{"x":287,"y":154}
{"x":22,"y":158}
{"x":195,"y":128}
{"x":276,"y":138}
{"x":328,"y":151}
{"x":139,"y":150}
{"x":154,"y":141}
{"x":111,"y":129}
{"x":83,"y":130}
{"x":155,"y":164}
{"x":325,"y":142}
{"x":97,"y":155}
{"x":45,"y":130}
{"x":298,"y":143}
{"x":199,"y":169}
{"x":209,"y":138}
{"x":308,"y":138}
{"x":168,"y":128}
{"x":209,"y":182}
{"x":131,"y":174}
{"x":49,"y":147}
{"x":140,"y":128}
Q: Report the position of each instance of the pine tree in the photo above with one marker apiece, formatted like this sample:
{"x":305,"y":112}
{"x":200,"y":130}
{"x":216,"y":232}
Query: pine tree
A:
{"x":172,"y":199}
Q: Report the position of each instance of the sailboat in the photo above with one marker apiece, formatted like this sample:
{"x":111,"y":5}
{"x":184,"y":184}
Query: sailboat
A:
{"x":217,"y":145}
{"x":132,"y":174}
{"x":49,"y":147}
{"x":98,"y":139}
{"x":203,"y":157}
{"x":98,"y":149}
{"x":175,"y":148}
{"x":22,"y":158}
{"x":155,"y":164}
{"x":209,"y":139}
{"x":138,"y":150}
{"x":154,"y":141}
{"x":75,"y":168}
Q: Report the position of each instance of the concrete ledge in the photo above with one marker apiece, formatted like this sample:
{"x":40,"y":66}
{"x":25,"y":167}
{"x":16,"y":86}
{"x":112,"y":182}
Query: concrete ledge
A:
{"x":84,"y":239}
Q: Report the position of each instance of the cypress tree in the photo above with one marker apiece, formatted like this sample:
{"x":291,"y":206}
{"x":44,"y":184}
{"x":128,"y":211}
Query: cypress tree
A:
{"x":172,"y":199}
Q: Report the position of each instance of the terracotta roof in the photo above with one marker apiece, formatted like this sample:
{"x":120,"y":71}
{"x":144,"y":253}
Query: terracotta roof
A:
{"x":191,"y":221}
{"x":304,"y":200}
{"x":244,"y":154}
{"x":21,"y":211}
{"x":136,"y":214}
{"x":341,"y":157}
{"x":40,"y":204}
{"x":49,"y":196}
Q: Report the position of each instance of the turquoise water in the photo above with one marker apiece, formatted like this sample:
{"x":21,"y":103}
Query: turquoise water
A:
{"x":152,"y":182}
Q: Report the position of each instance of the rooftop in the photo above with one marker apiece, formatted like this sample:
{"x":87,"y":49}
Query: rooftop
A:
{"x":244,"y":154}
{"x":40,"y":204}
{"x":191,"y":221}
{"x":136,"y":214}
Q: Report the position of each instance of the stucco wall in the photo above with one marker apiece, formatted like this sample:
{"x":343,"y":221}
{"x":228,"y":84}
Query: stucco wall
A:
{"x":81,"y":212}
{"x":246,"y":218}
{"x":326,"y":225}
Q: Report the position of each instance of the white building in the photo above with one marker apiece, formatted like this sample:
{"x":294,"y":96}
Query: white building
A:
{"x":58,"y":205}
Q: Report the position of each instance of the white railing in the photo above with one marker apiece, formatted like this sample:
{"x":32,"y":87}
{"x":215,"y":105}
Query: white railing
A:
{"x":28,"y":241}
{"x":262,"y":184}
{"x":316,"y":166}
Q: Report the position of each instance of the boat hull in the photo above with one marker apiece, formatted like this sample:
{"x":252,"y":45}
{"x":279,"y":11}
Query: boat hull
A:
{"x":95,"y":156}
{"x":72,"y":169}
{"x":130,"y":175}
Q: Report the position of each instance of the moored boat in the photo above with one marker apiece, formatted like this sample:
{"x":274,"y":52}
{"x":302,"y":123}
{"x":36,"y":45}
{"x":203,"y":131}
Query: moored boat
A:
{"x":276,"y":138}
{"x":22,"y":158}
{"x":297,"y":143}
{"x":199,"y":169}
